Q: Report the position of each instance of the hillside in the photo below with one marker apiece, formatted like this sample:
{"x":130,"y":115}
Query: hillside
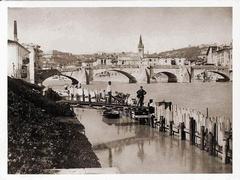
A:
{"x":191,"y":53}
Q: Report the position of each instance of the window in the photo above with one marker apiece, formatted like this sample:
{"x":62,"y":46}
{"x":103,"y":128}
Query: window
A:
{"x":24,"y":71}
{"x":173,"y":62}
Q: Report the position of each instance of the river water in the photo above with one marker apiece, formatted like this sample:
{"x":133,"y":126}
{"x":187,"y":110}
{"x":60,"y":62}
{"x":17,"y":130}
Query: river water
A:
{"x":134,"y":148}
{"x":217,"y":97}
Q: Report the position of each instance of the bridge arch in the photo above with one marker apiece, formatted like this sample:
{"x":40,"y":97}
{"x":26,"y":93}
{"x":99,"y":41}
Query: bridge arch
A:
{"x":226,"y":77}
{"x":131,"y":78}
{"x":42,"y":75}
{"x":171,"y":76}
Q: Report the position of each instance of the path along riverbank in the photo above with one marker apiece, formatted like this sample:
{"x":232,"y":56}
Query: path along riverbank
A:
{"x":40,"y":135}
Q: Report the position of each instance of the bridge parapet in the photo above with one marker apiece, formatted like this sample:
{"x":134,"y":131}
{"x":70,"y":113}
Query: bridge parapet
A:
{"x":207,"y":67}
{"x":114,"y":66}
{"x":166,"y":67}
{"x":71,"y":69}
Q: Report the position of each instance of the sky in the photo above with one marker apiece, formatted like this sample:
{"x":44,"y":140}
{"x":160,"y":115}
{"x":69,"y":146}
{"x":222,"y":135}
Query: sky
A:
{"x":117,"y":29}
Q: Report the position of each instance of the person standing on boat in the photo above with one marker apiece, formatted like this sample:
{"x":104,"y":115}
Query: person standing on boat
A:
{"x":140,"y":95}
{"x":75,"y":92}
{"x":79,"y":92}
{"x":72,"y":92}
{"x":109,"y":92}
{"x":151,"y":106}
{"x":151,"y":110}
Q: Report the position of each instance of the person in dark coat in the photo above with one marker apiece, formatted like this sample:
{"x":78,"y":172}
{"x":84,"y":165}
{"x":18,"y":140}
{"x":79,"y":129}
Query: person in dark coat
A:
{"x":109,"y":92}
{"x":140,"y":95}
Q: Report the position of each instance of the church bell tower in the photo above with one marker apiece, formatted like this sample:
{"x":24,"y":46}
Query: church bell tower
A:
{"x":140,"y":48}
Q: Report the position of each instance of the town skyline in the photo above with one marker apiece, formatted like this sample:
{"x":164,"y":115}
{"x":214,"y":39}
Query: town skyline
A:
{"x":93,"y":30}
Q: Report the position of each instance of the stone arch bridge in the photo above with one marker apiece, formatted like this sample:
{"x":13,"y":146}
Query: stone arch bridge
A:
{"x":147,"y":74}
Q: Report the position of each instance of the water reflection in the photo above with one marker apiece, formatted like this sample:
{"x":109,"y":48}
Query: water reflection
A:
{"x":140,"y":153}
{"x":110,"y":160}
{"x":134,"y":148}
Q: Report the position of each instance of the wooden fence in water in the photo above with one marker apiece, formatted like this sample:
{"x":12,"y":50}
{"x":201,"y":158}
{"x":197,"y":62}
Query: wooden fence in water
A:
{"x":213,"y":134}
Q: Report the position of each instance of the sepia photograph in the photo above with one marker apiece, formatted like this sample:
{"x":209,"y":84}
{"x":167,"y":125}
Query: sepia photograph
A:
{"x":119,"y":90}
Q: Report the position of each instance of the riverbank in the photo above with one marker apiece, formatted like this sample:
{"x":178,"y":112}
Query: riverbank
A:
{"x":40,"y":135}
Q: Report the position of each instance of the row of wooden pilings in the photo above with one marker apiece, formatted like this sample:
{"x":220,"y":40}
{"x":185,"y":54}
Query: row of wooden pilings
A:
{"x":90,"y":96}
{"x":211,"y":134}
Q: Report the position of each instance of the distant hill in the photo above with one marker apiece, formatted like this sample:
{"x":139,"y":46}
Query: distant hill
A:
{"x":191,"y":53}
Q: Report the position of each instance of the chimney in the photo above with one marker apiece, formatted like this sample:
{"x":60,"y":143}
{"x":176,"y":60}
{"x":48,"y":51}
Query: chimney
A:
{"x":15,"y":31}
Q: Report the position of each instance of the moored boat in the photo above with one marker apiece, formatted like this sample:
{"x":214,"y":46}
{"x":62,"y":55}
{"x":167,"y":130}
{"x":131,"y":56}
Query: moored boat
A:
{"x":111,"y":114}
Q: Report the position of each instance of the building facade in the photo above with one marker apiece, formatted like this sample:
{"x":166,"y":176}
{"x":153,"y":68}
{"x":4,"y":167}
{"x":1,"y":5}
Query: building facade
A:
{"x":34,"y":58}
{"x":155,"y":59}
{"x":18,"y":58}
{"x":220,"y":55}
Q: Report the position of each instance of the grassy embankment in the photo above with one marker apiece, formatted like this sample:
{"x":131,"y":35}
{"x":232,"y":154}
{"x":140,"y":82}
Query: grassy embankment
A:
{"x":37,"y":140}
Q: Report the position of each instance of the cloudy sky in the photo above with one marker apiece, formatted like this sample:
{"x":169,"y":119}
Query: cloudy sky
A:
{"x":89,"y":30}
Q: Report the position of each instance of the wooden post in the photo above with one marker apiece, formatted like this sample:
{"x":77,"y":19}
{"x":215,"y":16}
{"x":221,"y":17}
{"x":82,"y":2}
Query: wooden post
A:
{"x":106,"y":99}
{"x":152,"y":121}
{"x":97,"y":96}
{"x":83,"y":96}
{"x":170,"y":128}
{"x":210,"y":143}
{"x":214,"y":138}
{"x":192,"y":131}
{"x":202,"y":134}
{"x":89,"y":98}
{"x":182,"y":134}
{"x":225,"y":149}
{"x":207,"y":113}
{"x":162,"y":124}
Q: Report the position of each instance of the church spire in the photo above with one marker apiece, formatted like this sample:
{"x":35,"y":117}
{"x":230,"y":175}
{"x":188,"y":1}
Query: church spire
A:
{"x":140,"y":44}
{"x":140,"y":48}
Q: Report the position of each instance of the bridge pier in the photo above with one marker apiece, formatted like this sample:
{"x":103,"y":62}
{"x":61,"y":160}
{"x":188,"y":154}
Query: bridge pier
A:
{"x":89,"y":75}
{"x":149,"y":74}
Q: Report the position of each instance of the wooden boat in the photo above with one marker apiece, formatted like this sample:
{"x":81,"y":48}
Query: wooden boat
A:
{"x":111,"y":114}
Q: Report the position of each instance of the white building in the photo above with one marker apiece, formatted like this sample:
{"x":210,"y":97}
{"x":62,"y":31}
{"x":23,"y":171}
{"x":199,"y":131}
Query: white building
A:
{"x":18,"y":60}
{"x":103,"y":60}
{"x":128,"y":59}
{"x":220,"y":55}
{"x":33,"y":58}
{"x":212,"y":55}
{"x":154,"y":59}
